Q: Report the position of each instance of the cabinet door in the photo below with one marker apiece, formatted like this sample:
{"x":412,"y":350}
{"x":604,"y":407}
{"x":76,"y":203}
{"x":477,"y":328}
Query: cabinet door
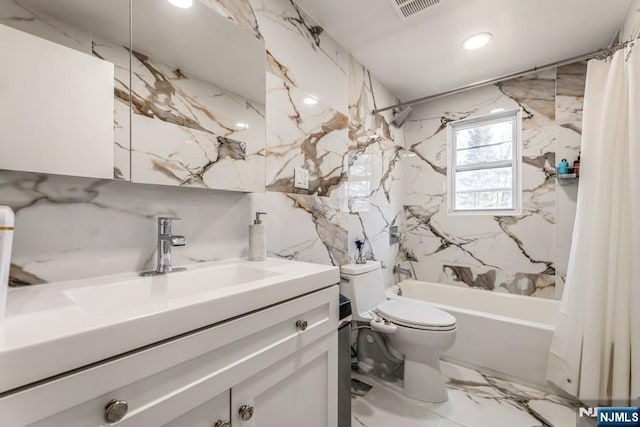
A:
{"x":215,"y":412}
{"x":198,"y":99}
{"x":300,"y":390}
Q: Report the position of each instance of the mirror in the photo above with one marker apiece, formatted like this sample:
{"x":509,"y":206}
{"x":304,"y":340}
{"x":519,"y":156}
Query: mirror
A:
{"x":63,"y":61}
{"x":198,"y":98}
{"x":195,"y":114}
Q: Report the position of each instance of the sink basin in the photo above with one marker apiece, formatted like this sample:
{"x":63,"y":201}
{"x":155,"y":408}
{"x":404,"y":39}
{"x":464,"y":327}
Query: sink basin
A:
{"x":159,"y":290}
{"x":54,"y":328}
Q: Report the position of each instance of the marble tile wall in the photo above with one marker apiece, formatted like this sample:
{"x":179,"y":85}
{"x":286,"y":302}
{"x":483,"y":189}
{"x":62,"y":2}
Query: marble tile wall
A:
{"x":73,"y":228}
{"x":171,"y":107}
{"x":353,"y":156}
{"x":525,"y":254}
{"x":104,"y":227}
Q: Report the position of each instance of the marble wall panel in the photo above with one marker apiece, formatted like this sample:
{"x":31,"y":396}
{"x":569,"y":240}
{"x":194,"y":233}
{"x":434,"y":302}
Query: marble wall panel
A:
{"x":119,"y":56}
{"x":569,"y":102}
{"x":299,"y":51}
{"x":302,"y":134}
{"x":376,"y":190}
{"x":378,"y":159}
{"x":304,"y":228}
{"x":72,"y":228}
{"x":186,"y":131}
{"x":516,"y":254}
{"x":570,"y":95}
{"x":367,"y":94}
{"x":372,"y":227}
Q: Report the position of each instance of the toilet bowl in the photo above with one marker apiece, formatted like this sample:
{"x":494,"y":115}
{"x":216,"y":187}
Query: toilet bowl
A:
{"x":415,"y":329}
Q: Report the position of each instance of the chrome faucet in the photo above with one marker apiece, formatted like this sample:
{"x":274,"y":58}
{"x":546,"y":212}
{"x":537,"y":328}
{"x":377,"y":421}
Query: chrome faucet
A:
{"x":402,"y":271}
{"x":166,"y":241}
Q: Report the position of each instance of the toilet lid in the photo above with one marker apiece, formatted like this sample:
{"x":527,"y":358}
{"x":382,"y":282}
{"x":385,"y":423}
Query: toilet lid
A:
{"x":414,"y":312}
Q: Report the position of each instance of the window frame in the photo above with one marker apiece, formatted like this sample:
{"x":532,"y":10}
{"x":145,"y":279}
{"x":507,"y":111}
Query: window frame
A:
{"x":515,"y":163}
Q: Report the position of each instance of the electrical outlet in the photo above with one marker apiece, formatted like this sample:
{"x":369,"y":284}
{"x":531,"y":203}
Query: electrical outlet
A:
{"x":301,"y":178}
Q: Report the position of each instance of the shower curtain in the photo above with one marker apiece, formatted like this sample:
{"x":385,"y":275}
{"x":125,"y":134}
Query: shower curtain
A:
{"x":595,"y":352}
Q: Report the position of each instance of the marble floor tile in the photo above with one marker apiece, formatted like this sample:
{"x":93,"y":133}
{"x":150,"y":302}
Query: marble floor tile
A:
{"x":475,"y":400}
{"x":381,"y":407}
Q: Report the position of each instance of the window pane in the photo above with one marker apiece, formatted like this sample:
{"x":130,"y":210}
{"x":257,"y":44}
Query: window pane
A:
{"x":485,"y":135}
{"x":484,"y":179}
{"x":484,"y":200}
{"x":491,"y":153}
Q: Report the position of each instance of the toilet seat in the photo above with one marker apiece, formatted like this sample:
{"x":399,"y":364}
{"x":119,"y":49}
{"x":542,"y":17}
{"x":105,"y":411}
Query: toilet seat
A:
{"x":416,"y":314}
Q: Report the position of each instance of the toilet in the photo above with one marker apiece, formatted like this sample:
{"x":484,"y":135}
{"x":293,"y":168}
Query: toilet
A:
{"x":417,"y":330}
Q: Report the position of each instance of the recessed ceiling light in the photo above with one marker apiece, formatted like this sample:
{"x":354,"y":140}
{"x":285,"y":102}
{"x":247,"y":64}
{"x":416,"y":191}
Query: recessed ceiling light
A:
{"x":497,"y":110}
{"x":310,"y":100}
{"x":476,"y":41}
{"x":242,"y":125}
{"x":182,"y":4}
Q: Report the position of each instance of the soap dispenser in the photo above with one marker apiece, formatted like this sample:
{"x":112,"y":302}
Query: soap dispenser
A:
{"x":257,"y":239}
{"x":6,"y":239}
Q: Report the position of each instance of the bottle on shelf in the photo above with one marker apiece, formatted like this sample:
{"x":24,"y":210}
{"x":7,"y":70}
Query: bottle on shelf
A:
{"x":563,"y":167}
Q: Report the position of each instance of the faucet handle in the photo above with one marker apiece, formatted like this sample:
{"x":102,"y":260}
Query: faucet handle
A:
{"x":165,"y":223}
{"x":178,"y":241}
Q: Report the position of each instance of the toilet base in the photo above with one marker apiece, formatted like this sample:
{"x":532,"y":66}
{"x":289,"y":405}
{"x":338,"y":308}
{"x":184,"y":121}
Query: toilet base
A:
{"x":424,"y":382}
{"x":421,"y":382}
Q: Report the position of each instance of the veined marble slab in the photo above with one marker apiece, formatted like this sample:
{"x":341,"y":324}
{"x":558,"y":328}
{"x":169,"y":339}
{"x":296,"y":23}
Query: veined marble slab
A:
{"x":299,"y":51}
{"x":303,"y":134}
{"x":189,"y":132}
{"x":570,"y":95}
{"x":304,"y":228}
{"x":119,"y":56}
{"x":72,"y":228}
{"x":367,"y":94}
{"x":517,"y":254}
{"x":476,"y":399}
{"x":377,"y":161}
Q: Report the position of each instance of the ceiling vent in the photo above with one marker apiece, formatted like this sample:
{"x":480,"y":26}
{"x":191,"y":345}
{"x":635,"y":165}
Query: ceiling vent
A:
{"x":408,"y":8}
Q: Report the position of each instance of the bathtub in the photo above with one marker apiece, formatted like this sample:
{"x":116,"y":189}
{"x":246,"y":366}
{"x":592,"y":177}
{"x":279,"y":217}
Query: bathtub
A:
{"x":504,"y":334}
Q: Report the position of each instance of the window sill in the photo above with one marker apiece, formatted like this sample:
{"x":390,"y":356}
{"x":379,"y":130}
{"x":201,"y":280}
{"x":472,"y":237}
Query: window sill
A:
{"x":486,"y":213}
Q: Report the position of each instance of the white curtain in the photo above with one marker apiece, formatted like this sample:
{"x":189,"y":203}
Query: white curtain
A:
{"x":595,"y":352}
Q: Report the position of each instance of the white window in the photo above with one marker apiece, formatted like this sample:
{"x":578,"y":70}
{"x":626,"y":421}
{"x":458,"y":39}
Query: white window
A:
{"x":484,"y":165}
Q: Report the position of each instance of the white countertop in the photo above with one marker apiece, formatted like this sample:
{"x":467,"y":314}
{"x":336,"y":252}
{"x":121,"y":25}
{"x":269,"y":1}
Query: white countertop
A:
{"x":53,"y":328}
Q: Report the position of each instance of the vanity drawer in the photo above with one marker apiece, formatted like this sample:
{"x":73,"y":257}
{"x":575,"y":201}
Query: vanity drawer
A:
{"x":170,"y":378}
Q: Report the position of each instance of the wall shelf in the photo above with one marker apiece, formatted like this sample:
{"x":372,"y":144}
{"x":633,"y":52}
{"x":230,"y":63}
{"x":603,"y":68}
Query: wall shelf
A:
{"x":566,"y":177}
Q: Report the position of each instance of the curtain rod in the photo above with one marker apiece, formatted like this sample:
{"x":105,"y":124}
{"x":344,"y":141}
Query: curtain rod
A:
{"x":599,"y":54}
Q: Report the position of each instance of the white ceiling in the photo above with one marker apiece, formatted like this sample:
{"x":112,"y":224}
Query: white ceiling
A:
{"x":423,"y":55}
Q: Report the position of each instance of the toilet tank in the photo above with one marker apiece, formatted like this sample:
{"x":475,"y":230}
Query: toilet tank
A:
{"x":363,"y":284}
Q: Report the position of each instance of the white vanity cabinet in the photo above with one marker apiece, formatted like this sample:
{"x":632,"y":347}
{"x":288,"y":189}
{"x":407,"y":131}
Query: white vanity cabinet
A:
{"x":273,"y":367}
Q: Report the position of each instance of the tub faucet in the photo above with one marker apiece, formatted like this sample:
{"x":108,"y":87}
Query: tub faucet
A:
{"x":402,"y":271}
{"x":166,"y":241}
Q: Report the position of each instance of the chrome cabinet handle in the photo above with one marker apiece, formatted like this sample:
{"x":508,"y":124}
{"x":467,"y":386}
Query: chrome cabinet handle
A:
{"x":302,"y":325}
{"x":115,"y":411}
{"x":246,"y":412}
{"x":222,"y":423}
